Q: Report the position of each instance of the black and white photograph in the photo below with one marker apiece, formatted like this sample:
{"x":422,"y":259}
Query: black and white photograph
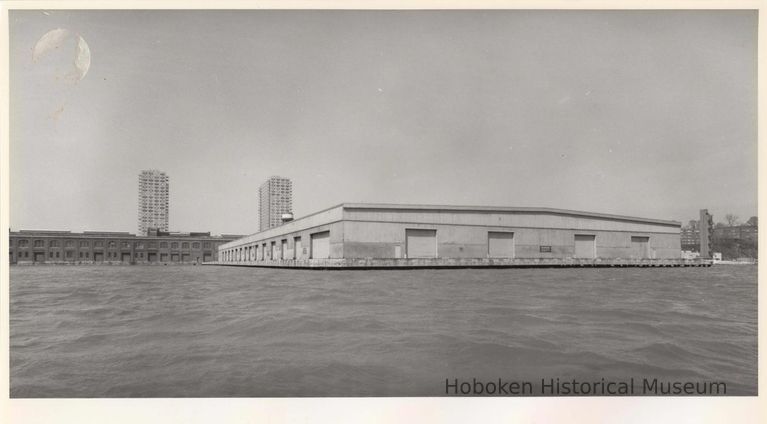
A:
{"x":389,"y":203}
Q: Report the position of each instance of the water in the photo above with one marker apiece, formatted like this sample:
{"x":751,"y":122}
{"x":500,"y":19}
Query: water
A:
{"x":134,"y":331}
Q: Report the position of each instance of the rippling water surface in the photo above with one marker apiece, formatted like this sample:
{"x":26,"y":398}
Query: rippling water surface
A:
{"x":119,"y":331}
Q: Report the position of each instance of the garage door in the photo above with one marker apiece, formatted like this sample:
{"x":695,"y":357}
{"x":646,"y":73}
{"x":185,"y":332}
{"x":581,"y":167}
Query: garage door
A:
{"x":585,"y":246}
{"x":500,"y":245}
{"x":640,"y":247}
{"x":297,"y":248}
{"x":320,"y":245}
{"x":421,"y":243}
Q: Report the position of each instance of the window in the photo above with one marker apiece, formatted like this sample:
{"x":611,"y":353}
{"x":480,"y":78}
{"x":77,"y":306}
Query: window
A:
{"x":39,"y":243}
{"x":195,"y":245}
{"x":125,"y":245}
{"x":23,"y":243}
{"x":50,"y":254}
{"x":112,"y":245}
{"x":53,"y":243}
{"x":206,"y":245}
{"x":174,"y":245}
{"x":164,"y":244}
{"x":98,"y":243}
{"x":185,"y":245}
{"x":69,"y":243}
{"x":139,"y":245}
{"x":69,"y":254}
{"x":84,"y":244}
{"x":153,"y":245}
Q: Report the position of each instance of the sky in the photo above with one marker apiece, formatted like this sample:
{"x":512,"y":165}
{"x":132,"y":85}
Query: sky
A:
{"x":641,"y":113}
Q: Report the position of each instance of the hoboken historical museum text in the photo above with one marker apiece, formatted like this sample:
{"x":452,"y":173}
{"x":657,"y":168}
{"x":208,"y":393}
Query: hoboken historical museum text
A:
{"x":575,"y":387}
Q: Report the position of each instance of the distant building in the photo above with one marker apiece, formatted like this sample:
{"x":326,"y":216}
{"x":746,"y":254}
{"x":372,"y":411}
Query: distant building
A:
{"x":152,"y":201}
{"x":690,"y":238}
{"x":92,"y":247}
{"x":737,"y":232}
{"x":275,"y":199}
{"x":706,"y":225}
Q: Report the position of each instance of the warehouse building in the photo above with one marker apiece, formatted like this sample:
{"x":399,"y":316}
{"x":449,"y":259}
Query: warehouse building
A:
{"x":385,"y":235}
{"x":95,"y":247}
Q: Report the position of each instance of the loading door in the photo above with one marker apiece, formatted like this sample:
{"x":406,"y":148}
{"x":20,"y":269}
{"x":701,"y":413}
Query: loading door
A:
{"x":320,"y":245}
{"x":284,"y":249}
{"x":585,"y":246}
{"x":640,"y":247}
{"x":500,"y":245}
{"x":421,"y":243}
{"x":125,"y":257}
{"x":297,"y":248}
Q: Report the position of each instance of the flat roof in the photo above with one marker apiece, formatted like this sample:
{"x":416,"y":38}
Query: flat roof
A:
{"x":490,"y":209}
{"x":484,"y":209}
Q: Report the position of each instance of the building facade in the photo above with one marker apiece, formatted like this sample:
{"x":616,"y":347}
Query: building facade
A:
{"x":153,"y":188}
{"x":737,"y":232}
{"x":377,"y":231}
{"x":64,"y":247}
{"x":275,"y":199}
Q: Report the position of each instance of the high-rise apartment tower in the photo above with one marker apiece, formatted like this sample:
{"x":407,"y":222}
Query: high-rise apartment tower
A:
{"x":276,"y":198}
{"x":152,"y":201}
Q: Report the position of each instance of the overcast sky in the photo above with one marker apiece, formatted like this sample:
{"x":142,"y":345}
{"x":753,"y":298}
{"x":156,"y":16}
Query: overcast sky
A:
{"x":649,"y":114}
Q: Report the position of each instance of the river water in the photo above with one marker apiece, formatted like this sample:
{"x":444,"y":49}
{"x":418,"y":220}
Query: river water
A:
{"x":191,"y":331}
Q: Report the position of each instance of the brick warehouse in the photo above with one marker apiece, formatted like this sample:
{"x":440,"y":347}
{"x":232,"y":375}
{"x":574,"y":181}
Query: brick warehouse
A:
{"x":91,"y":247}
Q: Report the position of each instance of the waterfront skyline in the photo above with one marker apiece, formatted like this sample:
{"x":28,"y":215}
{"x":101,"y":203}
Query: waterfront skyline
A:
{"x":649,"y":114}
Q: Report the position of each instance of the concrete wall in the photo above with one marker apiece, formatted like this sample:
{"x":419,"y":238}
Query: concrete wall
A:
{"x":381,"y":240}
{"x":239,"y":250}
{"x":379,"y":232}
{"x":510,"y":219}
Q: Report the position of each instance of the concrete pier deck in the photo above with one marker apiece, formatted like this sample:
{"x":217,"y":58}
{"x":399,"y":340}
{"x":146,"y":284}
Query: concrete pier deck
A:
{"x":439,"y":263}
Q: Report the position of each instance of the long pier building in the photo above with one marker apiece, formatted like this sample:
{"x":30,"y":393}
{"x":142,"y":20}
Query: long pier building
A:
{"x":357,"y":235}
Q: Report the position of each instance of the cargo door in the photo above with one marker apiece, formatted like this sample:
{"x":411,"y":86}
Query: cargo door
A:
{"x":320,"y":245}
{"x":640,"y":247}
{"x":297,"y":248}
{"x":421,"y":243}
{"x":585,"y":246}
{"x":500,"y":244}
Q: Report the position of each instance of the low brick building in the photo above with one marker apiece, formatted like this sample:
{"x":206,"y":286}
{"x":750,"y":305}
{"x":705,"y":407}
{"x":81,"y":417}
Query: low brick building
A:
{"x":91,"y":247}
